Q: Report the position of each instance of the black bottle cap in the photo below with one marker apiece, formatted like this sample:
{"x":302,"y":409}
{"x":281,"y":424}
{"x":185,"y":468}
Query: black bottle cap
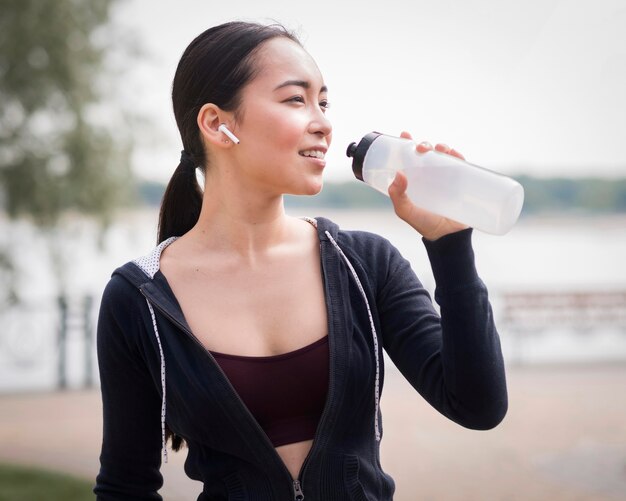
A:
{"x":358,"y":152}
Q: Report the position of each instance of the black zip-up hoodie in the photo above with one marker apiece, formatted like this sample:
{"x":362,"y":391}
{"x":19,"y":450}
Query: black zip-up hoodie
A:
{"x":154,"y":372}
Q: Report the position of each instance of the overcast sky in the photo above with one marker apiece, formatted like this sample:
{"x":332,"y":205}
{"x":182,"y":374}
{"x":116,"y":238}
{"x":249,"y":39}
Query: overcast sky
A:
{"x":536,"y":87}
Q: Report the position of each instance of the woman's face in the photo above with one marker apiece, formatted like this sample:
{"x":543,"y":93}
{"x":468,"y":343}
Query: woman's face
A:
{"x":282,"y":126}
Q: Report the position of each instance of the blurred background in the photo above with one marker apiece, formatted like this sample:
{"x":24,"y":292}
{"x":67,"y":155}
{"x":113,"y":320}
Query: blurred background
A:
{"x":532,"y":89}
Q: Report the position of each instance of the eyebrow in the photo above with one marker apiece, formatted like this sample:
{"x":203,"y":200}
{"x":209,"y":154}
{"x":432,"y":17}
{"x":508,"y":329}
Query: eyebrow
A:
{"x":300,"y":83}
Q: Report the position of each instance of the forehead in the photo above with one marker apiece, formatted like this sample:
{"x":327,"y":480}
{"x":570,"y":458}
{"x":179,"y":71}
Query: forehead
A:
{"x":281,"y":59}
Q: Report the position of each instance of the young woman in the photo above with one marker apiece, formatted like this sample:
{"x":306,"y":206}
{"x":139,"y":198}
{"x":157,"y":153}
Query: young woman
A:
{"x":257,"y":338}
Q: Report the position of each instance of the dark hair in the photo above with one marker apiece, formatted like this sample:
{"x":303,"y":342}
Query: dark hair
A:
{"x":214,"y":68}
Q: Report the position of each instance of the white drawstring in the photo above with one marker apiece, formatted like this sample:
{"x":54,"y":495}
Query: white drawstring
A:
{"x":149,"y":264}
{"x":369,"y":313}
{"x":158,"y":338}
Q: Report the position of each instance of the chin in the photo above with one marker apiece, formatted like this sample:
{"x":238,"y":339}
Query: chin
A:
{"x":314,"y":188}
{"x":309,"y":189}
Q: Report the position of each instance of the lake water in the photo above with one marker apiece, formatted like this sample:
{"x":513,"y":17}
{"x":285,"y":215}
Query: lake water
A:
{"x":558,"y":254}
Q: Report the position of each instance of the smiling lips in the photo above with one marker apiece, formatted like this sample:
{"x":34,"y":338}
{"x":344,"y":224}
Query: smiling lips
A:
{"x":313,"y":153}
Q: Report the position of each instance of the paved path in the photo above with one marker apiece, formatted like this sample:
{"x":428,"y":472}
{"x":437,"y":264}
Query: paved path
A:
{"x":563,"y":439}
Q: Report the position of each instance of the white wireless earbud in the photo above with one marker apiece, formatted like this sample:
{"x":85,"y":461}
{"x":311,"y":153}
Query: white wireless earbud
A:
{"x":231,"y":136}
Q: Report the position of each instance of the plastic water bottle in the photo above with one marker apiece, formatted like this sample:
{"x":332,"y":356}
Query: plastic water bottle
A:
{"x":440,"y":183}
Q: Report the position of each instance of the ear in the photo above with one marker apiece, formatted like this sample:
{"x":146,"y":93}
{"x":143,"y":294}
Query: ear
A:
{"x":210,"y":117}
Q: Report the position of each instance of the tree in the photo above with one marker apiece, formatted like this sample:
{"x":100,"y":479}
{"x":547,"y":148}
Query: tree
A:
{"x":61,"y":149}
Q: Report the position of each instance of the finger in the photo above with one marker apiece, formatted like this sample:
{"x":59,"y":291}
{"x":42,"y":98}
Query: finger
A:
{"x":424,"y":146}
{"x":455,"y":153}
{"x":404,"y":134}
{"x":443,"y":148}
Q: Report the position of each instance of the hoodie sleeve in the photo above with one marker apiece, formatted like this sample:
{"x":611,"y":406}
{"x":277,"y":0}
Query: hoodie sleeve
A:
{"x":131,"y":447}
{"x":454,"y":361}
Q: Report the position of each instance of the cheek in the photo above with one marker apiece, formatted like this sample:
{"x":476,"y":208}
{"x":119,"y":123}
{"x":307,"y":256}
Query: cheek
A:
{"x":282,"y":125}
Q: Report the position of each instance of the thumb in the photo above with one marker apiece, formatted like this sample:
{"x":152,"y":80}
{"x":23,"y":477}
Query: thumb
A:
{"x":397,"y":193}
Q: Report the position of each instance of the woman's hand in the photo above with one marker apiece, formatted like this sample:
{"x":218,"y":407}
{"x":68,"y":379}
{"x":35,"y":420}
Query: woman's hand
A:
{"x":430,"y":226}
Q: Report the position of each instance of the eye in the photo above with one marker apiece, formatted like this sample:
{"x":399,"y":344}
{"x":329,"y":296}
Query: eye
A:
{"x":296,"y":99}
{"x":324,"y":105}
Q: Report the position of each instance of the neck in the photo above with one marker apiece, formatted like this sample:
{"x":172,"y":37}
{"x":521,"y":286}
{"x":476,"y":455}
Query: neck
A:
{"x":244,"y":221}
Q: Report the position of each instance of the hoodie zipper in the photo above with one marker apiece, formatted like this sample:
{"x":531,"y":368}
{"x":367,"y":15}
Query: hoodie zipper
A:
{"x":296,"y":483}
{"x":298,"y":495}
{"x":317,"y":438}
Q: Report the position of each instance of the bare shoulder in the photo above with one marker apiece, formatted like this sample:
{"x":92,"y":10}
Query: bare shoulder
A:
{"x":304,"y":230}
{"x":177,"y":258}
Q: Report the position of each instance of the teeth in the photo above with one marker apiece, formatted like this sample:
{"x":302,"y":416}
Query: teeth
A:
{"x":312,"y":153}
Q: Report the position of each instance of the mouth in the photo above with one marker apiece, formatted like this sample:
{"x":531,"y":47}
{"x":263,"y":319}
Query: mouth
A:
{"x":313,"y":154}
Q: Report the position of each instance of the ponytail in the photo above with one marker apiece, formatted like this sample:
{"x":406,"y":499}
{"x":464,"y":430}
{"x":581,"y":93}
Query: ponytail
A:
{"x":181,"y":204}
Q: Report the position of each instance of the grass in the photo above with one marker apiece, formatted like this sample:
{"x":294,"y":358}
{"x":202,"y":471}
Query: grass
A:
{"x":20,"y":483}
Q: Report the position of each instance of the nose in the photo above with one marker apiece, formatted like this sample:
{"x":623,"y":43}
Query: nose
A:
{"x":320,"y":124}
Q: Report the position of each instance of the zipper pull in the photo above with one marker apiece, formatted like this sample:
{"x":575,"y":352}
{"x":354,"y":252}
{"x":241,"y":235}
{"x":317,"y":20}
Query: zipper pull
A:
{"x":297,"y":491}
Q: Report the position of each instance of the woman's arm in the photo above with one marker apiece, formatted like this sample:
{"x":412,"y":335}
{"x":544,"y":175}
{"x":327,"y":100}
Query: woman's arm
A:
{"x":131,"y":445}
{"x":454,"y":361}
